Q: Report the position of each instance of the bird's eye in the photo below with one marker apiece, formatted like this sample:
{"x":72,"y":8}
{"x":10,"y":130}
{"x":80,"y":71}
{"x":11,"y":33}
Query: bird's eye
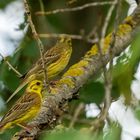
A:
{"x":69,"y":41}
{"x":38,"y":83}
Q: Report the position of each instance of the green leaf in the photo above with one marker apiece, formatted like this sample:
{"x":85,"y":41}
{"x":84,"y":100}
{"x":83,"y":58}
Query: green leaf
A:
{"x":124,"y":70}
{"x":68,"y":135}
{"x":137,"y":113}
{"x":9,"y":133}
{"x":4,"y":3}
{"x":92,"y":92}
{"x":114,"y":133}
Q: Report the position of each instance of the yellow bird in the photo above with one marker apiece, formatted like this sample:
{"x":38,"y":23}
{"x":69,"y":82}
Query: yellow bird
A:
{"x":56,"y":59}
{"x":26,"y":107}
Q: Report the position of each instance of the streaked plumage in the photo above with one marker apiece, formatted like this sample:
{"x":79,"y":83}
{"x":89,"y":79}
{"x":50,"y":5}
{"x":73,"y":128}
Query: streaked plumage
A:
{"x":56,"y":59}
{"x":25,"y":108}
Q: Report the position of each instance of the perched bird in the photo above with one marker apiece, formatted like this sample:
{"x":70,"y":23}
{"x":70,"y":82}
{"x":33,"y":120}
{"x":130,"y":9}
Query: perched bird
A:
{"x":56,"y":59}
{"x":25,"y":108}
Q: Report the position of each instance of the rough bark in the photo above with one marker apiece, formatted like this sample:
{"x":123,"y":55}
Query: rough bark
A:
{"x":78,"y":74}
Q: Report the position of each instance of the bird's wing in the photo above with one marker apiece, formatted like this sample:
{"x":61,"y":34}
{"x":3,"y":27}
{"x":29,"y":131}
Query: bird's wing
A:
{"x":21,"y":107}
{"x":50,"y":56}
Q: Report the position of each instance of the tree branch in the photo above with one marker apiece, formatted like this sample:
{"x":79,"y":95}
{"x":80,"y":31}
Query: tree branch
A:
{"x":10,"y":66}
{"x":107,"y":73}
{"x":75,"y":8}
{"x":40,"y":44}
{"x":78,"y":74}
{"x":72,"y":36}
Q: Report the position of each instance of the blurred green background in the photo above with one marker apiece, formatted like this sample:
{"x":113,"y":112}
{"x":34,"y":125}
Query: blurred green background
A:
{"x":80,"y":23}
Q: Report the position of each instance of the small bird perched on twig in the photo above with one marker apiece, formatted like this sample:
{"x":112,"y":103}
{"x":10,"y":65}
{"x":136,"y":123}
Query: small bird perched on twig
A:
{"x":56,"y":59}
{"x":26,"y":107}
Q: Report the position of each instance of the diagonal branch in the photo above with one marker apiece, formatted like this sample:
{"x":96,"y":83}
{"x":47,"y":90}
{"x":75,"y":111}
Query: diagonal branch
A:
{"x":10,"y":66}
{"x":72,"y":36}
{"x":40,"y":44}
{"x":107,"y":73}
{"x":76,"y":8}
{"x":78,"y":74}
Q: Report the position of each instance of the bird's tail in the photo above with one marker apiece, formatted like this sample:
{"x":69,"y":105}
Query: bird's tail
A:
{"x":4,"y":126}
{"x":1,"y":128}
{"x":18,"y":89}
{"x":1,"y":125}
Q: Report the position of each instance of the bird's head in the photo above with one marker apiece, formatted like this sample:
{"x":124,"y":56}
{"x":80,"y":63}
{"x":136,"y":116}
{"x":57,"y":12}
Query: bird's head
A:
{"x":35,"y":86}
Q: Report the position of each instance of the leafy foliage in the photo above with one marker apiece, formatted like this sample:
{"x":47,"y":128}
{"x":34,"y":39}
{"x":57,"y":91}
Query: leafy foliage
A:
{"x":79,"y":22}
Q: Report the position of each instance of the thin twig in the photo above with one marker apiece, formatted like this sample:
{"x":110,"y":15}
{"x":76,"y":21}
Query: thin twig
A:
{"x":40,"y":44}
{"x":93,"y":32}
{"x":76,"y":114}
{"x":79,"y":120}
{"x":76,"y":8}
{"x":10,"y":66}
{"x":107,"y":74}
{"x":63,"y":91}
{"x":41,"y":5}
{"x":71,"y":2}
{"x":78,"y":37}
